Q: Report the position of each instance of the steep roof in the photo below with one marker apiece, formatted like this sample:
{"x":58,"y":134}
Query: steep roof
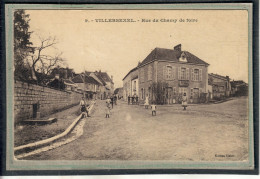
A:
{"x":217,"y":76}
{"x":89,"y":79}
{"x":105,"y":77}
{"x":78,"y":79}
{"x":171,"y":55}
{"x":87,"y":72}
{"x":130,"y":72}
{"x":68,"y":81}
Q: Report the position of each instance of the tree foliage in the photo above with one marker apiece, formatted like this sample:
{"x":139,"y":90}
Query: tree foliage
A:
{"x":32,"y":64}
{"x":22,"y":44}
{"x":159,"y":92}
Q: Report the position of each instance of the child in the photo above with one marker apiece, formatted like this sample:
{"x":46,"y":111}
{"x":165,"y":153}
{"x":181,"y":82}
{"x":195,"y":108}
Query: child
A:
{"x":184,"y":101}
{"x":146,"y":104}
{"x":107,"y":111}
{"x":153,"y":106}
{"x":83,"y":108}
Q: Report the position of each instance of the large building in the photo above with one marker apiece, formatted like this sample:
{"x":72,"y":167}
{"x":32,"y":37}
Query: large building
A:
{"x":165,"y":74}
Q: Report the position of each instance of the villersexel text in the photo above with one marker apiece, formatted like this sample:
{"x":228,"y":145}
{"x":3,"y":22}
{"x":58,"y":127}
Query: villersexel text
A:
{"x":143,"y":20}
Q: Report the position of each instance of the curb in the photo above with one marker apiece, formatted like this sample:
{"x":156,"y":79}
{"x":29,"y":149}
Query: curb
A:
{"x":49,"y":140}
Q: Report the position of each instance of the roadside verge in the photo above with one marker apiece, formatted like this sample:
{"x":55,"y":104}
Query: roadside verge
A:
{"x":52,"y":139}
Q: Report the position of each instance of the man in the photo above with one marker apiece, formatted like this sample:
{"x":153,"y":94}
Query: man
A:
{"x":129,"y":99}
{"x":115,"y":98}
{"x":112,"y":101}
{"x":83,"y":107}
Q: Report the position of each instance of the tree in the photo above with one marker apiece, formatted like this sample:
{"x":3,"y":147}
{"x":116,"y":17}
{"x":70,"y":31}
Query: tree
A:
{"x":31,"y":64}
{"x":22,"y":44}
{"x":159,"y":92}
{"x":43,"y":64}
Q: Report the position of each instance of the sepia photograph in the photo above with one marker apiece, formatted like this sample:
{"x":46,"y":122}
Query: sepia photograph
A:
{"x":129,"y":87}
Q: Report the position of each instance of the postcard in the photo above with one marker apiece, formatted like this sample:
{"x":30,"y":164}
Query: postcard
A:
{"x":158,"y":86}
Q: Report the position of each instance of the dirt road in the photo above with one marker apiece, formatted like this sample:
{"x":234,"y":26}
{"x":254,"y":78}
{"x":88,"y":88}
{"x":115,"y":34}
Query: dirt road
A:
{"x":216,"y":132}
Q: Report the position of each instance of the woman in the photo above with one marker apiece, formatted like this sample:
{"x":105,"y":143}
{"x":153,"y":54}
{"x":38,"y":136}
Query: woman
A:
{"x":184,"y":101}
{"x":146,"y":104}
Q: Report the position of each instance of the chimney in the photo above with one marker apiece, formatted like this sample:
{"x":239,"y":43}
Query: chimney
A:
{"x":112,"y":77}
{"x":99,"y":71}
{"x":177,"y":47}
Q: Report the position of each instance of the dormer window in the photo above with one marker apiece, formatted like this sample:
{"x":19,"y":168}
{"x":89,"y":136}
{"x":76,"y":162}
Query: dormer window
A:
{"x":183,"y":58}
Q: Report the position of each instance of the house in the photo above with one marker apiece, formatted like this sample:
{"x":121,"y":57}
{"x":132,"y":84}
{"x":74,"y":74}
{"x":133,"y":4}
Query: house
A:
{"x":165,"y":74}
{"x":220,"y":85}
{"x":64,"y":73}
{"x":87,"y":84}
{"x":131,"y":83}
{"x":62,"y":84}
{"x":107,"y":85}
{"x":239,"y":88}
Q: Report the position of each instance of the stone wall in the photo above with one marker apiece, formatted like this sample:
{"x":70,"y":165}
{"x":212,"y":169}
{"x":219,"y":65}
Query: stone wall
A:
{"x":49,"y":100}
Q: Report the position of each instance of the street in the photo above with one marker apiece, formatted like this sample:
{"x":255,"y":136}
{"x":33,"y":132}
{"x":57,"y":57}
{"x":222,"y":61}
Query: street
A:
{"x":214,"y":132}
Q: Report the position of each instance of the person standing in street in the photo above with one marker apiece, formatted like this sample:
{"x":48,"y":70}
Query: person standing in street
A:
{"x":146,"y":104}
{"x":112,"y":101}
{"x":153,"y":106}
{"x":83,"y":107}
{"x":184,"y":101}
{"x":108,"y":109}
{"x":129,"y":99}
{"x":115,"y":99}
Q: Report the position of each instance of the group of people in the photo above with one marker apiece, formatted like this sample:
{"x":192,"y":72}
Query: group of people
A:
{"x":133,"y":99}
{"x":153,"y":106}
{"x":110,"y":103}
{"x":84,"y":107}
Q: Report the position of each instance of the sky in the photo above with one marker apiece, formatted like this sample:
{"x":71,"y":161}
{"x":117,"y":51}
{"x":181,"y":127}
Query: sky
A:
{"x":219,"y":37}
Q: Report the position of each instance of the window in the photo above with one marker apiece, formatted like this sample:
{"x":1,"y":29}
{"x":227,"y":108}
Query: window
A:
{"x":221,"y":88}
{"x":196,"y":75}
{"x":149,"y":72}
{"x":191,"y":93}
{"x":168,"y":72}
{"x":182,"y":91}
{"x":134,"y":85}
{"x":183,"y":73}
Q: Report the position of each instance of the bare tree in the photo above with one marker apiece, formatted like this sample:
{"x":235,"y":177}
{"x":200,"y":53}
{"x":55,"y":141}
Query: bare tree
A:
{"x":44,"y":64}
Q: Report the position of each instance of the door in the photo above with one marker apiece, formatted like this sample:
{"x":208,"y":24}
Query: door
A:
{"x":196,"y":95}
{"x":169,"y":96}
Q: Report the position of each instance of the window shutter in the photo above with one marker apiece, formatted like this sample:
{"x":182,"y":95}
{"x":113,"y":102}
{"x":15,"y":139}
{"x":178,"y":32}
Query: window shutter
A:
{"x":179,"y":73}
{"x":187,"y":73}
{"x":173,"y":72}
{"x":200,"y":74}
{"x":192,"y":74}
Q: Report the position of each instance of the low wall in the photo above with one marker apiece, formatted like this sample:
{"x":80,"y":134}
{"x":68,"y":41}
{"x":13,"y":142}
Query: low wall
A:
{"x":49,"y":100}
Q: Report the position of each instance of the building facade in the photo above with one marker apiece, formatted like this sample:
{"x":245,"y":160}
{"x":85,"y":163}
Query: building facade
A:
{"x":166,"y":74}
{"x":221,"y":86}
{"x":131,"y":84}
